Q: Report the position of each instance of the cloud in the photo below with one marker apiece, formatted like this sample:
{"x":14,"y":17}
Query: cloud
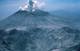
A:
{"x":37,"y":5}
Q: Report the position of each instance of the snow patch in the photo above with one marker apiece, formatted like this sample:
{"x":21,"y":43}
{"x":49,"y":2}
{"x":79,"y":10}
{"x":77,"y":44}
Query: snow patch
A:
{"x":17,"y":28}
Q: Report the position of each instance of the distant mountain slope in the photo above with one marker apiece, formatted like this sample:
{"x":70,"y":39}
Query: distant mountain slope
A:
{"x":69,"y":16}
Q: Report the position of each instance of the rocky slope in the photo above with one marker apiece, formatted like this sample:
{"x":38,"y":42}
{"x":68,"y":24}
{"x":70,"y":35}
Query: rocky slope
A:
{"x":37,"y":31}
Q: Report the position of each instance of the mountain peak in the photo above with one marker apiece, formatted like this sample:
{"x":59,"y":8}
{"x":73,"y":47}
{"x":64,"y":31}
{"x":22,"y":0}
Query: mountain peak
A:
{"x":35,"y":13}
{"x":24,"y":18}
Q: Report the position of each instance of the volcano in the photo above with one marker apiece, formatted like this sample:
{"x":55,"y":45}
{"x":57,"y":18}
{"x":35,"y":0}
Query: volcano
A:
{"x":36,"y":31}
{"x":37,"y":18}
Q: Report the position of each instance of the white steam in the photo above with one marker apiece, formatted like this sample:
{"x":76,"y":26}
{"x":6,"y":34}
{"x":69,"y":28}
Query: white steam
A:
{"x":24,"y":7}
{"x":37,"y":5}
